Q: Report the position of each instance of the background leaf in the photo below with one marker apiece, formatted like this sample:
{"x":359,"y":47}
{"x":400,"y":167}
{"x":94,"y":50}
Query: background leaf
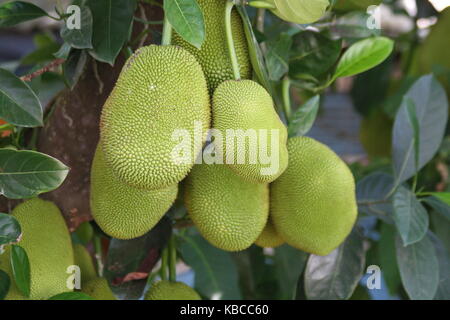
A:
{"x":443,"y":256}
{"x":71,"y":296}
{"x":277,"y":56}
{"x":419,"y":268}
{"x":439,"y":206}
{"x":80,"y":38}
{"x":20,"y":266}
{"x":303,"y":118}
{"x":19,"y":105}
{"x":10,"y":230}
{"x":186,"y":18}
{"x":336,"y":275}
{"x":24,"y":174}
{"x":14,"y":12}
{"x":5,"y":283}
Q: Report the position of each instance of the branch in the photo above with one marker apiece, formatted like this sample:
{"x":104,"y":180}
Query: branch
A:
{"x":52,"y":65}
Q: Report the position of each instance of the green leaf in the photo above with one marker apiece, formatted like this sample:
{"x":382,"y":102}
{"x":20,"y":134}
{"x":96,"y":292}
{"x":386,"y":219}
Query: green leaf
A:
{"x":47,"y":86}
{"x":71,"y":296}
{"x":20,"y":266}
{"x":419,"y":268}
{"x":216,"y":275}
{"x":410,"y":216}
{"x":25,"y":174}
{"x":14,"y":12}
{"x":363,"y":55}
{"x":299,"y":11}
{"x":79,"y":38}
{"x":303,"y":118}
{"x":312,"y":54}
{"x":10,"y":230}
{"x":46,"y":47}
{"x":387,"y":257}
{"x":112,"y":23}
{"x":277,"y":56}
{"x":289,"y":264}
{"x":336,"y":275}
{"x":64,"y":51}
{"x":443,"y":291}
{"x":442,"y":196}
{"x":186,"y":18}
{"x":431,"y":110}
{"x":74,"y":66}
{"x":19,"y":105}
{"x":353,"y":25}
{"x":440,"y":206}
{"x":5,"y":283}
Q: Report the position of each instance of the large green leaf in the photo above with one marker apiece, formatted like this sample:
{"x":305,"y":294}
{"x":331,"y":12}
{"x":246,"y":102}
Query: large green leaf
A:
{"x":10,"y":230}
{"x":289,"y":264}
{"x":303,"y":118}
{"x":24,"y":174}
{"x":442,"y":196}
{"x":443,"y":256}
{"x":419,"y":268}
{"x":410,"y":216}
{"x":79,"y":38}
{"x":19,"y":105}
{"x":336,"y":275}
{"x":186,"y":18}
{"x":14,"y":12}
{"x":5,"y":283}
{"x":277,"y":56}
{"x":216,"y":275}
{"x":430,"y":109}
{"x":74,"y":66}
{"x":71,"y":296}
{"x":20,"y":266}
{"x":112,"y":23}
{"x":387,"y":258}
{"x":363,"y":55}
{"x":439,"y":206}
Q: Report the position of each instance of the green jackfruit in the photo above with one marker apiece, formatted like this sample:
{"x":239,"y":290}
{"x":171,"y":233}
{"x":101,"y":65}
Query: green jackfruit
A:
{"x":269,"y":238}
{"x":299,"y":11}
{"x":160,"y":92}
{"x":229,"y":212}
{"x":166,"y":290}
{"x":46,"y":240}
{"x":247,"y":108}
{"x":121,"y":211}
{"x":313,"y":203}
{"x":98,"y":289}
{"x":83,"y":259}
{"x":376,"y":134}
{"x":213,"y":55}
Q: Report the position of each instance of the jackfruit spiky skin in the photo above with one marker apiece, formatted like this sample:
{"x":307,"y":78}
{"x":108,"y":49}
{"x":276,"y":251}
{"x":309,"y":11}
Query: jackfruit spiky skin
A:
{"x":313,"y":205}
{"x":245,"y":105}
{"x":213,"y":55}
{"x":47,"y":242}
{"x":83,"y":259}
{"x":228,"y":211}
{"x":121,"y":211}
{"x":98,"y":289}
{"x":161,"y":89}
{"x":269,"y":238}
{"x":166,"y":290}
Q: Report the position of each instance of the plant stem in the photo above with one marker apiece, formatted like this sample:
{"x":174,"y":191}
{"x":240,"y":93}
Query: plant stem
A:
{"x":285,"y":88}
{"x":230,"y":42}
{"x":98,"y":254}
{"x":167,"y":32}
{"x":172,"y":259}
{"x":163,"y":270}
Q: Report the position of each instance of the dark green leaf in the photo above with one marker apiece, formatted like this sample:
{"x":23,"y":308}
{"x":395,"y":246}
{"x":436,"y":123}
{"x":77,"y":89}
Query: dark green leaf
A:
{"x":24,"y":174}
{"x":442,"y":196}
{"x":431,"y":110}
{"x":112,"y":23}
{"x":410,"y":216}
{"x":419,"y":268}
{"x":64,"y":51}
{"x":353,"y":25}
{"x":303,"y":118}
{"x":10,"y":230}
{"x":20,"y":266}
{"x":363,"y":55}
{"x":47,"y":86}
{"x":387,"y":258}
{"x":19,"y":105}
{"x":216,"y":275}
{"x":79,"y":38}
{"x":5,"y":283}
{"x":289,"y":264}
{"x":74,"y":66}
{"x":187,"y":19}
{"x":336,"y":275}
{"x":277,"y":56}
{"x":443,"y":256}
{"x":46,"y":48}
{"x":440,"y":206}
{"x":71,"y":296}
{"x":14,"y":12}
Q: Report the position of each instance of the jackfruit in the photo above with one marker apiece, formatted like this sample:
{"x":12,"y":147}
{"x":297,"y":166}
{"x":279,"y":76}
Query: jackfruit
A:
{"x":228,"y":211}
{"x":313,"y":203}
{"x":299,"y":11}
{"x":376,"y":134}
{"x":269,"y":238}
{"x":161,"y":92}
{"x":121,"y":211}
{"x":246,"y":107}
{"x":213,"y":55}
{"x":47,"y":242}
{"x":83,"y":260}
{"x":166,"y":290}
{"x":98,"y":289}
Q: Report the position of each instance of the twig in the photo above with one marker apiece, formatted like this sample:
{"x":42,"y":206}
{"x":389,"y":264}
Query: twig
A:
{"x":52,"y":65}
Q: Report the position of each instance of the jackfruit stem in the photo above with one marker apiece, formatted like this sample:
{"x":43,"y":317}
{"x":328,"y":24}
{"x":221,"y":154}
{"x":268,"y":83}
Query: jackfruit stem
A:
{"x":230,"y":42}
{"x":163,"y":269}
{"x":286,"y":87}
{"x":172,"y":260}
{"x":167,"y":32}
